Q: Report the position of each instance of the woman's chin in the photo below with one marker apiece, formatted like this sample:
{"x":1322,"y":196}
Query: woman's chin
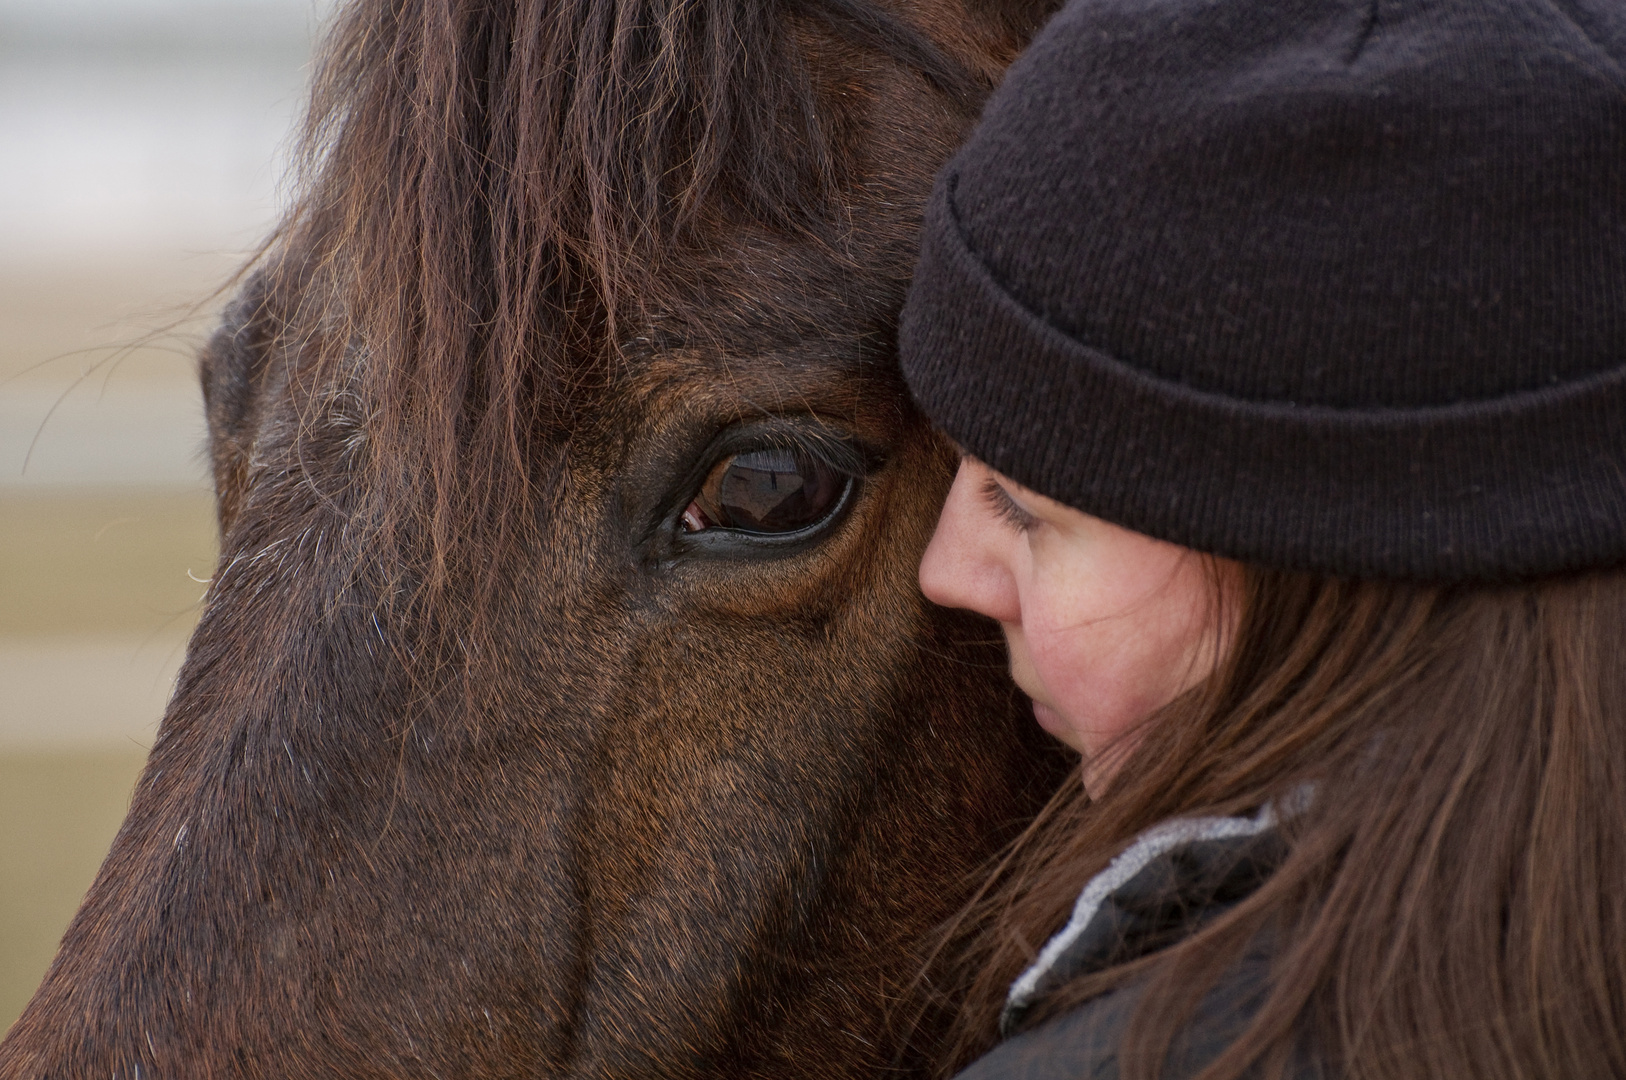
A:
{"x":1055,"y":724}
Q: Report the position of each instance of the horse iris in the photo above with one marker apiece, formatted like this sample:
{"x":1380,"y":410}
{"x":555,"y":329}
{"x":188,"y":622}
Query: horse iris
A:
{"x":766,"y":491}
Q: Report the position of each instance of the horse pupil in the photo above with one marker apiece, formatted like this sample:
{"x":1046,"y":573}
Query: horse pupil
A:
{"x":770,"y":491}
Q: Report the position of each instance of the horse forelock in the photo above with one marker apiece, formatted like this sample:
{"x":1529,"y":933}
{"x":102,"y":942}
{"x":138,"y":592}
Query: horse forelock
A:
{"x":489,"y":188}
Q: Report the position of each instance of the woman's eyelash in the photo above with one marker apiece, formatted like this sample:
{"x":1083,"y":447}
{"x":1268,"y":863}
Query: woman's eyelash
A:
{"x":1006,"y":507}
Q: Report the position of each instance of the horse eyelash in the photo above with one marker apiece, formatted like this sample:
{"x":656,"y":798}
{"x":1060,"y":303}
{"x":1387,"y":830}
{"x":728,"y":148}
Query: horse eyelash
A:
{"x":1005,"y":506}
{"x":828,"y":448}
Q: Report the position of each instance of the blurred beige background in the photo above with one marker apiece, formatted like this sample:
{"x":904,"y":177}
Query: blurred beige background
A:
{"x":140,"y":143}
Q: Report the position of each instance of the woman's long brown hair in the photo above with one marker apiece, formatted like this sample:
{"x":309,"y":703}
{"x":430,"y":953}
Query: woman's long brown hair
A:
{"x":1454,"y":900}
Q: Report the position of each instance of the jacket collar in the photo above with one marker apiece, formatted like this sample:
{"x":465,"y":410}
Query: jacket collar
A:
{"x":1170,"y":880}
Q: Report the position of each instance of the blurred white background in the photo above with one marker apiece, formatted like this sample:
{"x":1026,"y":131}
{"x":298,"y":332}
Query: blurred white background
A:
{"x":141,"y":153}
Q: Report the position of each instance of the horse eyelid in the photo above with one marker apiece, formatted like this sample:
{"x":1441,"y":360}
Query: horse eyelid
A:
{"x":833,"y":450}
{"x":828,"y":448}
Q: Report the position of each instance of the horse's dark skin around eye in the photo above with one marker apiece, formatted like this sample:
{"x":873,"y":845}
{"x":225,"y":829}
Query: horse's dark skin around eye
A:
{"x":603,"y":800}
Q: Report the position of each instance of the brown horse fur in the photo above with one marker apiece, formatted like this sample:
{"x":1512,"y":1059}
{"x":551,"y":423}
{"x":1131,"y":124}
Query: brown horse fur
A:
{"x":478,"y":766}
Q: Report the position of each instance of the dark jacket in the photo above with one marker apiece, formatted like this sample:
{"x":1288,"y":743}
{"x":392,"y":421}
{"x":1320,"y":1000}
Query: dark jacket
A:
{"x":1171,"y":881}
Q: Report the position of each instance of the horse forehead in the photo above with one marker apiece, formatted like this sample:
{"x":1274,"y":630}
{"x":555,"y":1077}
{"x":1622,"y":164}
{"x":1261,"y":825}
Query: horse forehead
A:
{"x":765,"y":352}
{"x":712,"y":382}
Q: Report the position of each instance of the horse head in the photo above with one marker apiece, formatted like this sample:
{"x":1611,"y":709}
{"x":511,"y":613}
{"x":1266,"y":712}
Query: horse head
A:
{"x":563,"y":702}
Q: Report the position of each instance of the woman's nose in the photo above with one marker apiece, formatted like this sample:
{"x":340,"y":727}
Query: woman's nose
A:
{"x":968,"y":563}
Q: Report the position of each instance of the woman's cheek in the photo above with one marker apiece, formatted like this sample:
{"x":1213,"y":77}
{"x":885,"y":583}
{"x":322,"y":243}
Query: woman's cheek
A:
{"x":1106,"y":674}
{"x":1078,"y":670}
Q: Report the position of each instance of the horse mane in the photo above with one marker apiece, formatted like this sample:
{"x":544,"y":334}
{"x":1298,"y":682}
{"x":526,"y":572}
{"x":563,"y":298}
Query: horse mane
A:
{"x":487,"y":186}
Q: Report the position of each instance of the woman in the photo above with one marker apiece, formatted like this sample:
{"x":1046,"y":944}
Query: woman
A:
{"x":1286,"y":341}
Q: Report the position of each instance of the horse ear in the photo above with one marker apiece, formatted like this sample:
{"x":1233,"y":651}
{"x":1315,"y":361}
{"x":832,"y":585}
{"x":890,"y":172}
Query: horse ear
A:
{"x":230,"y":368}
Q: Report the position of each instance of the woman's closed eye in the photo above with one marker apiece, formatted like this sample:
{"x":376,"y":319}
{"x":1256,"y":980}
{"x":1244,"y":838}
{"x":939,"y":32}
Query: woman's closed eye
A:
{"x":1006,"y":507}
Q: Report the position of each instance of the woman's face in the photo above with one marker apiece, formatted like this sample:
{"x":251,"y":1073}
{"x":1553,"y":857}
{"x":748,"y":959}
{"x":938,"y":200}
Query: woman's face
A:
{"x":1104,"y":625}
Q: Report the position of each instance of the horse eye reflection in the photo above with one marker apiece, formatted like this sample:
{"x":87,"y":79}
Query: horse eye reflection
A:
{"x":766,"y":492}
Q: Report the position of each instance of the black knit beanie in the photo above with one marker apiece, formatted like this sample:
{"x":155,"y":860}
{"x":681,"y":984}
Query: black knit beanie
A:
{"x":1332,"y":285}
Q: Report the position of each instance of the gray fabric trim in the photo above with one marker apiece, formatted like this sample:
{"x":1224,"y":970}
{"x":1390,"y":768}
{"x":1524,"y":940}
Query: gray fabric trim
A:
{"x":1150,"y":845}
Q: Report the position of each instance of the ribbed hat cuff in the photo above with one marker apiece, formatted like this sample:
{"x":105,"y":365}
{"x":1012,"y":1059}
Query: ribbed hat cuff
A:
{"x":1527,"y":484}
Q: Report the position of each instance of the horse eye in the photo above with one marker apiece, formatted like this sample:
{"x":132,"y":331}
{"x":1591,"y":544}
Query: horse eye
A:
{"x":766,"y":491}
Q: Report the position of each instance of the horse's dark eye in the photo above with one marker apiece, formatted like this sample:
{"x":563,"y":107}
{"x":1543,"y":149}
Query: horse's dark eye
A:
{"x":766,"y":491}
